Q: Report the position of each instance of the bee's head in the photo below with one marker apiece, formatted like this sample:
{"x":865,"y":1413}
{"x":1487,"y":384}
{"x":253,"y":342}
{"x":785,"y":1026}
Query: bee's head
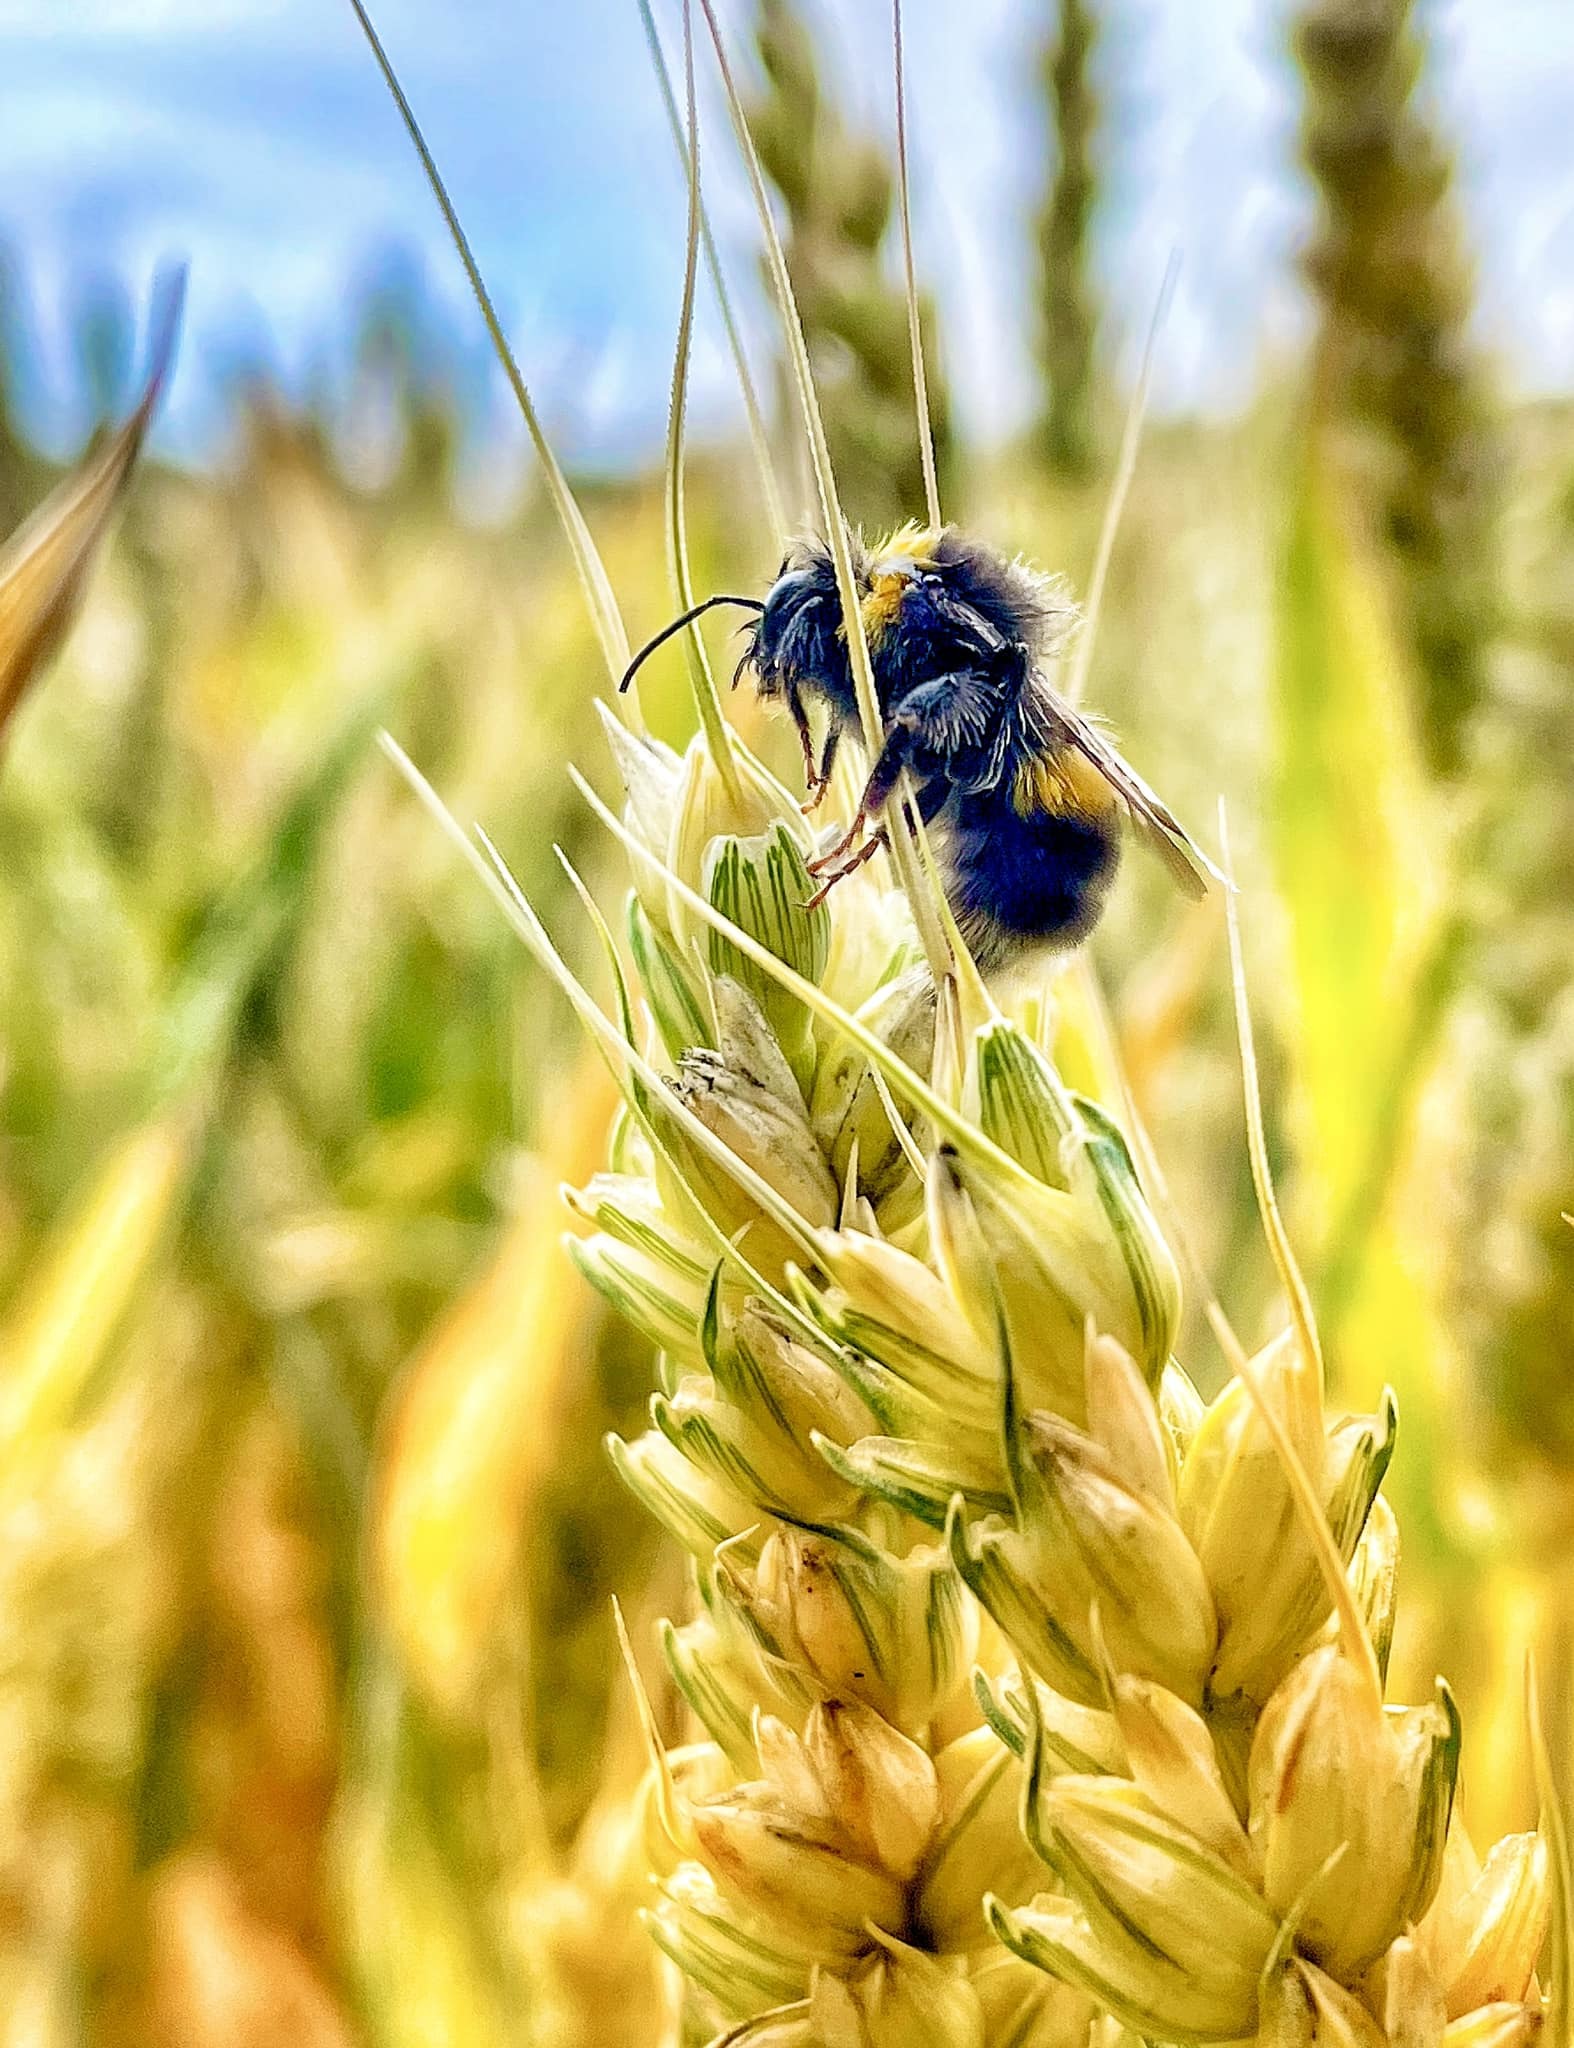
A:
{"x":797,"y":644}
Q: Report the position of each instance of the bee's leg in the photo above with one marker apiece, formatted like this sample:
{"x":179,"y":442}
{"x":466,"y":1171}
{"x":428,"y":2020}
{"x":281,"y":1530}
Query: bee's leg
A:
{"x":867,"y":851}
{"x":893,"y":759}
{"x":843,"y":846}
{"x":800,"y":719}
{"x":938,"y":731}
{"x":820,"y":778}
{"x":929,"y":723}
{"x":899,"y":743}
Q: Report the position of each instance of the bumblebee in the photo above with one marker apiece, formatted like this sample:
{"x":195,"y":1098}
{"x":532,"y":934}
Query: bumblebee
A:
{"x":1025,"y":797}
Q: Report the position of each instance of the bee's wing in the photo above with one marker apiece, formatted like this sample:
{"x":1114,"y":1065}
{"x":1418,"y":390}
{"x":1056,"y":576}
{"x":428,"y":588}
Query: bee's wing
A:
{"x":1160,"y":829}
{"x":966,"y":619}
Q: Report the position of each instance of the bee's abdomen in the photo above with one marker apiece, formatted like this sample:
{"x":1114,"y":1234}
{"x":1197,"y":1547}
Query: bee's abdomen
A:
{"x":1016,"y":882}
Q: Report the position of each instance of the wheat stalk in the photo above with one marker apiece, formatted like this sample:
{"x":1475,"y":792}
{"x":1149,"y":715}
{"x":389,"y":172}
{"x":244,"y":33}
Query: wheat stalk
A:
{"x":1033,"y":1694}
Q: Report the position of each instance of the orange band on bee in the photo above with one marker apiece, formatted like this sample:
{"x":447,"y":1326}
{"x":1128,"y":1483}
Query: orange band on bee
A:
{"x":882,"y":606}
{"x":1061,"y":784}
{"x":914,"y":547}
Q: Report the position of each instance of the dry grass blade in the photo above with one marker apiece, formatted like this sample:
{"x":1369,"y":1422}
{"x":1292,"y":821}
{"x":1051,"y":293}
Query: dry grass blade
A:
{"x":926,"y":436}
{"x":45,"y":565}
{"x":1125,"y":468}
{"x":759,"y":436}
{"x":597,"y":585}
{"x":1357,"y":1643}
{"x":707,"y":699}
{"x":1555,"y":1832}
{"x":1278,"y":1237}
{"x":668,"y":1809}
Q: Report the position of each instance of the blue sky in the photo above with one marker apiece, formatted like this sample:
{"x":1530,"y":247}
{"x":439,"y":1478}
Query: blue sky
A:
{"x":253,"y":137}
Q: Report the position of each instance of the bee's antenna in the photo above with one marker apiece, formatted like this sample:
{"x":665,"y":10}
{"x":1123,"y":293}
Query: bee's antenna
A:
{"x":677,"y":625}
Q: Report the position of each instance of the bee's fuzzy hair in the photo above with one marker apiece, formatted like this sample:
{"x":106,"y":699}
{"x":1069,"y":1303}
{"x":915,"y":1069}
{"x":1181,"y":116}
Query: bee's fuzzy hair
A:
{"x":1023,"y":602}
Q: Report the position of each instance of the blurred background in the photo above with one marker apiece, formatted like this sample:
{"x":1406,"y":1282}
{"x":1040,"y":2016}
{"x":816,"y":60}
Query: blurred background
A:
{"x":307,"y":1729}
